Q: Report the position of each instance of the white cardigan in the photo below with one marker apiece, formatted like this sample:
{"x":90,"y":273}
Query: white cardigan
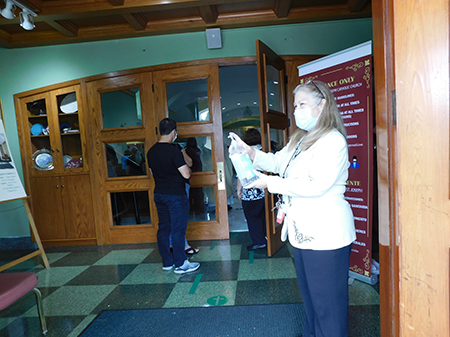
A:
{"x":317,"y":215}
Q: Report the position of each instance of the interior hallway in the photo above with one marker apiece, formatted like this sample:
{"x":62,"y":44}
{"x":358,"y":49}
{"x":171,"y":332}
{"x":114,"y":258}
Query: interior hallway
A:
{"x":84,"y":280}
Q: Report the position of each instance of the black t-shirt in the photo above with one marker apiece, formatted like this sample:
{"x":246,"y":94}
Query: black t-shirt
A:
{"x":164,"y":159}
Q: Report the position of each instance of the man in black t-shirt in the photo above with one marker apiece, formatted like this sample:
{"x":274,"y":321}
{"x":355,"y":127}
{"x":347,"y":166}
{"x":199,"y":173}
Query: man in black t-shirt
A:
{"x":170,"y":171}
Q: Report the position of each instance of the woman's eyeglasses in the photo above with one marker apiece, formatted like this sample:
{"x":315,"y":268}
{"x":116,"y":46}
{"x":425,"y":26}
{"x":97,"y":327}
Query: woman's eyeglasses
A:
{"x":320,"y":91}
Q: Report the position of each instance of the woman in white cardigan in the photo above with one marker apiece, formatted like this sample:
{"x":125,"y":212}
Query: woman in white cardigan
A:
{"x":312,"y":170}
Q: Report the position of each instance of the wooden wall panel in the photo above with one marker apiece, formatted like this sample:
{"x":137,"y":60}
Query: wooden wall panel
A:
{"x":421,"y":46}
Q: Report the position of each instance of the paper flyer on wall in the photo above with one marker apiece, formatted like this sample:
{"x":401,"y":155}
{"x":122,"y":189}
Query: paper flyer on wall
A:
{"x":349,"y":75}
{"x":10,"y":185}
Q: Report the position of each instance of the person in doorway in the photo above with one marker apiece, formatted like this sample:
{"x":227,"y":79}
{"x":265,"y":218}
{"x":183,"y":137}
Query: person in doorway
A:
{"x":196,"y":197}
{"x":253,"y":200}
{"x":170,"y":171}
{"x":188,"y":249}
{"x":313,"y":169}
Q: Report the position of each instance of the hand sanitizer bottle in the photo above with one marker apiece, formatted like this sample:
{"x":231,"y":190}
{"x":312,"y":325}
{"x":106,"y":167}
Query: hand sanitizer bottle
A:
{"x":242,"y":164}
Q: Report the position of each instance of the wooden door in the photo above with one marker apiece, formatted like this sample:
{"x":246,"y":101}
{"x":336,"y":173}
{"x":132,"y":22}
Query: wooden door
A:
{"x":48,"y":211}
{"x":122,"y":120}
{"x":274,"y":125}
{"x":191,"y":96}
{"x":77,"y":206}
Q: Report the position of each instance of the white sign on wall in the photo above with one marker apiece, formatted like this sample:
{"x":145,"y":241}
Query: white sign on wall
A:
{"x":10,"y":185}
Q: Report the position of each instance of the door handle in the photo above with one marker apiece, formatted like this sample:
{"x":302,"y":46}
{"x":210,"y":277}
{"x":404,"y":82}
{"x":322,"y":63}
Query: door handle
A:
{"x":220,"y":176}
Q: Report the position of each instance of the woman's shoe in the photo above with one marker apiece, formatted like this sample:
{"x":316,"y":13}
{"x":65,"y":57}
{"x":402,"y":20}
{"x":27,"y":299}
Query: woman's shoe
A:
{"x":191,"y":251}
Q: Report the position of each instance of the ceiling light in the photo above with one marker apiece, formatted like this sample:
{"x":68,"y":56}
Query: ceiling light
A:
{"x":26,"y":20}
{"x":8,"y":11}
{"x":26,"y":16}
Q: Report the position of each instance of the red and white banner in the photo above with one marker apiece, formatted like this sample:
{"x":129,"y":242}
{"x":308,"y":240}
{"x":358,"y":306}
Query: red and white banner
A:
{"x":349,"y":75}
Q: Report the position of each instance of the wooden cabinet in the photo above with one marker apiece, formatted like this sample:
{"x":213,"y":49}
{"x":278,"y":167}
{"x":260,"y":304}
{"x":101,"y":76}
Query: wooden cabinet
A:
{"x":62,"y":208}
{"x":52,"y":136}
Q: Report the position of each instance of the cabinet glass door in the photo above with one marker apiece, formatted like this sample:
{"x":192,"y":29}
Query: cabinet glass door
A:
{"x":69,"y":153}
{"x":38,"y":126}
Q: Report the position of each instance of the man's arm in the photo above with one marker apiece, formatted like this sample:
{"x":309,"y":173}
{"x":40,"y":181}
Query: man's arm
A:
{"x":186,"y":157}
{"x":185,"y":171}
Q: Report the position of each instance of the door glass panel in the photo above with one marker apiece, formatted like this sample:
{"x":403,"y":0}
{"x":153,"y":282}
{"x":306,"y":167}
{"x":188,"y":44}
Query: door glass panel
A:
{"x":187,"y":101}
{"x":125,"y":159}
{"x":121,"y":108}
{"x":202,"y":204}
{"x":199,"y":150}
{"x":239,"y":97}
{"x":274,"y":95}
{"x":130,"y":208}
{"x":276,"y":140}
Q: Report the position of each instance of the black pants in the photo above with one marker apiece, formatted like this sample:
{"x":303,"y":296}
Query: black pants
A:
{"x":323,"y":280}
{"x":255,"y":214}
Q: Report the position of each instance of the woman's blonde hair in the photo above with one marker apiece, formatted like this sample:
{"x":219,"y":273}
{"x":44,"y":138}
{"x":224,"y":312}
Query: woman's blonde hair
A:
{"x":329,"y":119}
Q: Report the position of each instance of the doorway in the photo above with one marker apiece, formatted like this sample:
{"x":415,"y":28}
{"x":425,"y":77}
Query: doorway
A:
{"x":240,"y":111}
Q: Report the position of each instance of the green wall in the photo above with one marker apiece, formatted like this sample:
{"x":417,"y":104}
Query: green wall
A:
{"x":30,"y":68}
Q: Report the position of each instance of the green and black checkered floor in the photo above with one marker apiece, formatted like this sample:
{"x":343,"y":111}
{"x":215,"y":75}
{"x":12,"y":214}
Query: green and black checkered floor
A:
{"x":85,"y":280}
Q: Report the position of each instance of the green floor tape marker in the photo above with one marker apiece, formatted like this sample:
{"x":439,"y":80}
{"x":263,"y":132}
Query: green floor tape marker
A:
{"x":217,"y":300}
{"x":213,"y":245}
{"x":195,"y":285}
{"x":251,"y":257}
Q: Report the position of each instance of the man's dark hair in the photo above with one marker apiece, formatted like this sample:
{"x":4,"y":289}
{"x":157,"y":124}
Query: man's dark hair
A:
{"x":252,"y":137}
{"x":166,"y":126}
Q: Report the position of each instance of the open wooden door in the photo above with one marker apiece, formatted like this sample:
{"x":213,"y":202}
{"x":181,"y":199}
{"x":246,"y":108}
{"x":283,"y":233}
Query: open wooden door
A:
{"x":274,"y":125}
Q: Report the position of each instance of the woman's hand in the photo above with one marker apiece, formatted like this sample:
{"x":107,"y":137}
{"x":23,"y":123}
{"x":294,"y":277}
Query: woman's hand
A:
{"x":239,"y":189}
{"x":261,"y":182}
{"x":246,"y":149}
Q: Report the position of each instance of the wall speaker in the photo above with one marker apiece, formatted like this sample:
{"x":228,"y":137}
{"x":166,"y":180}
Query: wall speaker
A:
{"x":213,"y":38}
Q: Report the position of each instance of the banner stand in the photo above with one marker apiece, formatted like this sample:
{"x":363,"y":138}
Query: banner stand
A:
{"x":373,"y":279}
{"x":35,"y":233}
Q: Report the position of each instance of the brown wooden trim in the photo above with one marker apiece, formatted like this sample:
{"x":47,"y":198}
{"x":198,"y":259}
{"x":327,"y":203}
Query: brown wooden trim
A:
{"x":384,"y":85}
{"x":226,"y":61}
{"x":70,"y":242}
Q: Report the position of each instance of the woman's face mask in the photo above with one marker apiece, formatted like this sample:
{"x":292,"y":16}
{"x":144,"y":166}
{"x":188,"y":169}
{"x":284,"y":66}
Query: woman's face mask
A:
{"x":304,"y":118}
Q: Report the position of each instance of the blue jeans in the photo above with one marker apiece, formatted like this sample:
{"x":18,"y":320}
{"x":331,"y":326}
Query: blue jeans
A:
{"x":173,"y":215}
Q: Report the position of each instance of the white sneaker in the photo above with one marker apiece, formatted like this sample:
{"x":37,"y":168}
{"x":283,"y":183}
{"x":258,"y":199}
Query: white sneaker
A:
{"x":187,"y":267}
{"x":168,"y":267}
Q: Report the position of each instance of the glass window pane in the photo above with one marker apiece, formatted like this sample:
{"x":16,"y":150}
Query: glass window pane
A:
{"x":276,"y":140}
{"x":188,"y":101}
{"x":199,"y":149}
{"x":130,"y":208}
{"x":274,"y":89}
{"x":125,"y":159}
{"x":239,"y":98}
{"x":121,"y":108}
{"x":202,"y":204}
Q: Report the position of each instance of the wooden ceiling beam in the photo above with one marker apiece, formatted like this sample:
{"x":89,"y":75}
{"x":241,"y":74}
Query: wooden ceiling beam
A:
{"x":117,"y":2}
{"x":185,"y":24}
{"x":65,"y":27}
{"x":209,"y":14}
{"x":136,"y":20}
{"x":5,"y":39}
{"x":282,"y":8}
{"x":34,"y":5}
{"x":356,"y":5}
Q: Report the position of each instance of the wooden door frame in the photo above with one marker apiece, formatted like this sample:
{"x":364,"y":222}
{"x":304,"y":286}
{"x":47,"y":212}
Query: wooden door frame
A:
{"x":384,"y":75}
